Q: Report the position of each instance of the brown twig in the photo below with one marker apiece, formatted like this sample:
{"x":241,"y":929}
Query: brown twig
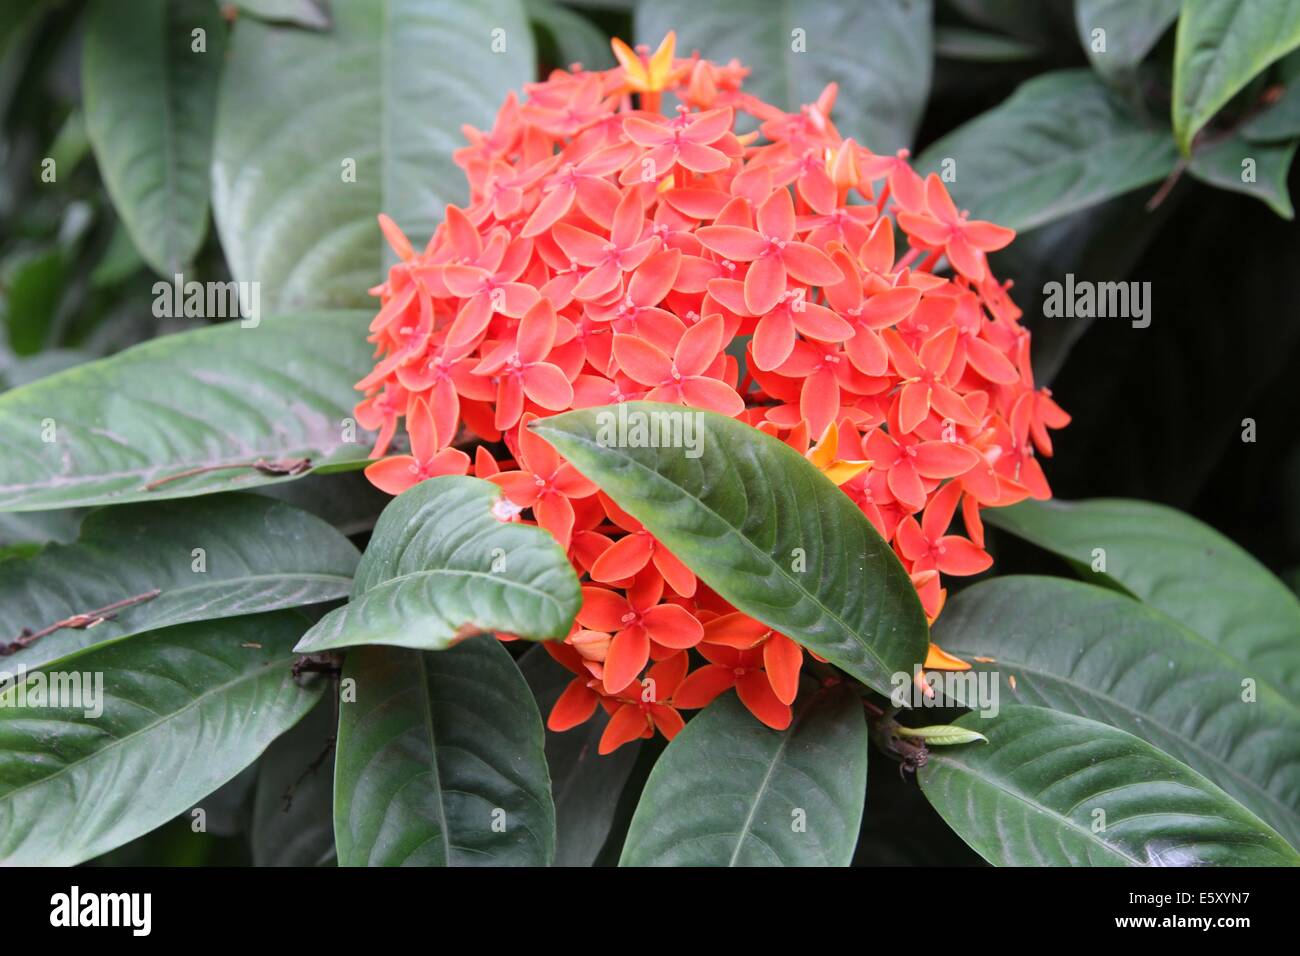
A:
{"x":283,"y":466}
{"x":28,"y":637}
{"x":286,"y":799}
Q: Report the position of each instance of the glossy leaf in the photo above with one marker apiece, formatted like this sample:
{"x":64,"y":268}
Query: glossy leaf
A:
{"x":1181,"y":567}
{"x":762,"y":527}
{"x":729,"y":791}
{"x":585,"y":784}
{"x":149,"y":99}
{"x":441,"y":564}
{"x":440,"y":761}
{"x":1130,"y":30}
{"x":317,"y":133}
{"x":218,"y":398}
{"x":1053,"y":789}
{"x":879,"y":52}
{"x":210,"y":558}
{"x":1062,"y":142}
{"x":1094,"y":652}
{"x":1221,"y":45}
{"x":184,"y":710}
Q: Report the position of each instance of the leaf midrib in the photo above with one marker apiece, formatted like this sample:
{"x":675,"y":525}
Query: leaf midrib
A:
{"x":762,"y":788}
{"x":976,"y":779}
{"x":737,"y":533}
{"x":1141,"y":717}
{"x":243,"y":677}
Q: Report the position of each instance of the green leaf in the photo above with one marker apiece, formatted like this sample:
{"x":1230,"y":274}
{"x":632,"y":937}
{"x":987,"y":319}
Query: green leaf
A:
{"x":210,"y":558}
{"x":729,"y":791}
{"x":33,"y":288}
{"x":442,"y":563}
{"x":575,"y":38}
{"x":313,"y":14}
{"x":1131,"y":30}
{"x":1221,"y":46}
{"x":1181,"y":567}
{"x":293,"y":801}
{"x":977,"y":46}
{"x":1062,"y":142}
{"x":149,"y":100}
{"x":761,"y":526}
{"x":218,"y":398}
{"x":440,"y":761}
{"x":1256,"y":169}
{"x":878,"y":51}
{"x":317,"y":133}
{"x":1053,"y":789}
{"x":585,"y":785}
{"x":1099,"y":654}
{"x":943,"y":735}
{"x":184,"y":710}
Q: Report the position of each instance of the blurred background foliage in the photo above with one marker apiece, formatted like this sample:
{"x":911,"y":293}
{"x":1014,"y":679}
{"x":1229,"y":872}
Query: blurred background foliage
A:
{"x":1122,"y":163}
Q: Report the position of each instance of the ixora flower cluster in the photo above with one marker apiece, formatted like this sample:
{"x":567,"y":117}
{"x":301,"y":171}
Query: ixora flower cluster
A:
{"x":611,"y":253}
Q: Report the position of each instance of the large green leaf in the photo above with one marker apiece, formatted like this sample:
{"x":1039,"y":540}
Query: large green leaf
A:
{"x":210,"y":558}
{"x":729,"y":791}
{"x":184,"y":710}
{"x":1096,"y":653}
{"x":382,"y":94}
{"x":1053,"y":789}
{"x":149,"y":98}
{"x":1221,"y":45}
{"x":441,"y":563}
{"x":1062,"y":142}
{"x":1179,"y":566}
{"x":1131,"y":30}
{"x":879,"y":52}
{"x":585,"y":784}
{"x":218,"y":399}
{"x":440,"y":761}
{"x":761,"y":526}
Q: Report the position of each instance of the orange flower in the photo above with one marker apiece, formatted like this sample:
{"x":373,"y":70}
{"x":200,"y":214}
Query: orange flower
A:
{"x":608,"y":253}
